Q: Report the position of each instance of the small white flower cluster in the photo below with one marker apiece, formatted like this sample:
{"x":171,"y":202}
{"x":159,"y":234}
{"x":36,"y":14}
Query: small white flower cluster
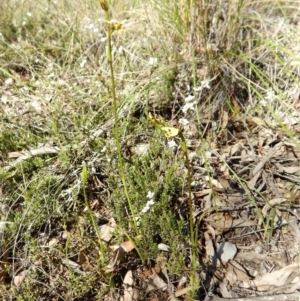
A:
{"x":190,"y":100}
{"x":183,"y":121}
{"x":153,"y":61}
{"x":172,"y":144}
{"x":190,"y":103}
{"x":204,"y":84}
{"x":92,"y":27}
{"x":269,"y":97}
{"x":149,"y":203}
{"x":29,"y":14}
{"x":83,"y":62}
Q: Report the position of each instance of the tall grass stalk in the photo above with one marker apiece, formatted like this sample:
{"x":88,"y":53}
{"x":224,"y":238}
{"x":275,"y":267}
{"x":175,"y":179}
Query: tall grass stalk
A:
{"x":110,"y":28}
{"x":84,"y":178}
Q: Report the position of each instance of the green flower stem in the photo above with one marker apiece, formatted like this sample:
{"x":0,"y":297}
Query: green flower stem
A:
{"x":105,"y":7}
{"x":193,"y":232}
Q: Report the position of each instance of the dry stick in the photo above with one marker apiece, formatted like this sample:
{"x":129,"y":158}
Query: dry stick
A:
{"x":281,"y":297}
{"x":35,"y":152}
{"x":266,"y":158}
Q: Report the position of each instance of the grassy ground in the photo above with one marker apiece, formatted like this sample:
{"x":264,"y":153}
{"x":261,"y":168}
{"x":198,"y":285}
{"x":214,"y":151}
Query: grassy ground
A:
{"x":225,"y":73}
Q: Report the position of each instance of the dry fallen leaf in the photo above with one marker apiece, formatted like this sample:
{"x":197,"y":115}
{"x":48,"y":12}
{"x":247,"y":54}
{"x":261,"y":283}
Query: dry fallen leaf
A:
{"x":209,"y":247}
{"x":155,"y":282}
{"x":257,"y":121}
{"x":20,"y":277}
{"x":53,"y":242}
{"x":276,"y":278}
{"x":238,"y":270}
{"x":72,"y":265}
{"x":271,"y":203}
{"x":163,"y":247}
{"x":119,"y":252}
{"x":292,"y":170}
{"x":130,"y":293}
{"x":224,"y":291}
{"x":214,"y":182}
{"x":224,"y":223}
{"x":107,"y":230}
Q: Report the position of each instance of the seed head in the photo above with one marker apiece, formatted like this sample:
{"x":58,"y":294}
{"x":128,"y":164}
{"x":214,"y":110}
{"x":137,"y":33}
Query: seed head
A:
{"x":104,"y":5}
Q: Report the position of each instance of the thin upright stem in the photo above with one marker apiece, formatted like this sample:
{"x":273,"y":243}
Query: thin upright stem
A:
{"x":116,"y":125}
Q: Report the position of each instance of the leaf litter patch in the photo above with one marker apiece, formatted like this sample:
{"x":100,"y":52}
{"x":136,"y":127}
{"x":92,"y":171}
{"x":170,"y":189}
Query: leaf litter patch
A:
{"x":252,"y":201}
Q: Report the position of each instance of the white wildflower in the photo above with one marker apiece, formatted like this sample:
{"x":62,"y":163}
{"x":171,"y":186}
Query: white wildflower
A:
{"x":29,"y":14}
{"x":153,"y":61}
{"x":188,"y":106}
{"x":189,"y":98}
{"x":197,"y":89}
{"x":270,"y":95}
{"x":190,"y":103}
{"x":138,"y":220}
{"x":203,"y":84}
{"x":150,"y":203}
{"x":51,"y":75}
{"x":83,"y":62}
{"x":183,"y":121}
{"x":90,"y":26}
{"x":172,"y":144}
{"x":150,"y":195}
{"x":263,"y":102}
{"x":146,"y":208}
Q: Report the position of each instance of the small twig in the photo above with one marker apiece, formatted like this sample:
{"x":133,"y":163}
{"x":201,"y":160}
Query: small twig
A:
{"x":281,"y":297}
{"x":35,"y":152}
{"x":266,"y":158}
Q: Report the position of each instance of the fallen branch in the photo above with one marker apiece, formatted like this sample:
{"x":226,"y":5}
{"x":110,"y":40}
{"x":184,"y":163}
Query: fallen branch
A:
{"x":281,"y":297}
